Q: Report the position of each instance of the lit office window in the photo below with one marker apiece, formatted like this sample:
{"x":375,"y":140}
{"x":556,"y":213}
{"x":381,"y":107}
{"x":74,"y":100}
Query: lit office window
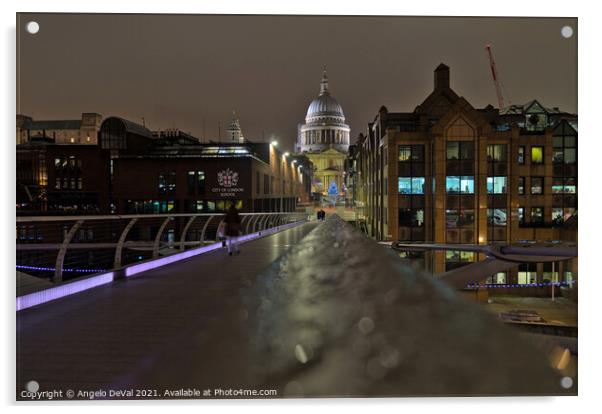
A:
{"x":536,"y":155}
{"x":496,"y":279}
{"x":459,"y":184}
{"x":527,"y":278}
{"x":410,"y":185}
{"x":455,"y":256}
{"x":167,"y":182}
{"x":200,"y":182}
{"x":496,"y":152}
{"x":521,"y":185}
{"x":521,"y":215}
{"x":564,"y":185}
{"x":536,"y":214}
{"x":496,"y":185}
{"x":521,"y":155}
{"x":405,"y":153}
{"x":459,"y":219}
{"x":497,"y":217}
{"x":560,"y":214}
{"x":536,"y":185}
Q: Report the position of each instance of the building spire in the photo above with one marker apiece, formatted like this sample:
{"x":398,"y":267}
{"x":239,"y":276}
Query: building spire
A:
{"x":234,"y":130}
{"x":324,"y":82}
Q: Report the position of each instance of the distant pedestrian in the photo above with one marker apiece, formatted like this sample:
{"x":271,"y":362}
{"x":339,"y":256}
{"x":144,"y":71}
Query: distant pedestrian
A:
{"x":232,"y":220}
{"x":322,"y":214}
{"x":221,"y":233}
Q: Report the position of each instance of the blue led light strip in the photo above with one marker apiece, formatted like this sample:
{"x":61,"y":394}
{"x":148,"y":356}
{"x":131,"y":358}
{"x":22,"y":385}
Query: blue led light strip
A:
{"x":523,"y":286}
{"x":51,"y":269}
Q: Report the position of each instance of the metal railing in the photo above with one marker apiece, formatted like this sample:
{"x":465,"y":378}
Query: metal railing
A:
{"x":60,"y":248}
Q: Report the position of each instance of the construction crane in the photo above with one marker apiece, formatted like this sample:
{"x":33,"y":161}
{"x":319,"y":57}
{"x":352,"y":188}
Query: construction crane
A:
{"x":496,"y":81}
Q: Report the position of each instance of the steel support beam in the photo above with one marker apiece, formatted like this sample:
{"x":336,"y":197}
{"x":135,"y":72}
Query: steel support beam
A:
{"x":60,"y":258}
{"x":119,"y":248}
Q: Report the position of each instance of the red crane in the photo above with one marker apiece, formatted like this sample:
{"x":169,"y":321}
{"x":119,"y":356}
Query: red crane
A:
{"x":496,"y":81}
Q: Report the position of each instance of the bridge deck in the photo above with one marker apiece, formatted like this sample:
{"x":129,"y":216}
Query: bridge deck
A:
{"x":112,"y":336}
{"x":335,"y":314}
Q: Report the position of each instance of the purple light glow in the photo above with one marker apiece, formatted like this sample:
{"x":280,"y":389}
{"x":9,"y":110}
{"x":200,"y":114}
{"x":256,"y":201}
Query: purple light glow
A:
{"x":69,"y":288}
{"x":66,"y":289}
{"x":153,"y":264}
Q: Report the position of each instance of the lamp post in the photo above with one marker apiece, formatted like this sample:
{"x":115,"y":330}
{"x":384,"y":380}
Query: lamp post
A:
{"x":286,"y":154}
{"x":553,"y":280}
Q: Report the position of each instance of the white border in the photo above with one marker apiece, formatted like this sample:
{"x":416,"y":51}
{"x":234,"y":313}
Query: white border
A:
{"x":589,"y":34}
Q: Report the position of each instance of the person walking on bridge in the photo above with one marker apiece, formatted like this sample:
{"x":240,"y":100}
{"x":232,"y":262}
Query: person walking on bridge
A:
{"x":232,"y":221}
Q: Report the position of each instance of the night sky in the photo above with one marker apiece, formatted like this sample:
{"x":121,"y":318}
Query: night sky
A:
{"x":192,"y":70}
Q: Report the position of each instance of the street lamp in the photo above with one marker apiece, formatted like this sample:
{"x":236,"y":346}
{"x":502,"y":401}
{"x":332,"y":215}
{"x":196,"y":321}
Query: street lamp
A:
{"x":274,"y":143}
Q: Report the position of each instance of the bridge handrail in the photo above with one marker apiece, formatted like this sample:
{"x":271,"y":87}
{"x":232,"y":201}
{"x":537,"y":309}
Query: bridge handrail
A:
{"x":152,"y":228}
{"x":29,"y":219}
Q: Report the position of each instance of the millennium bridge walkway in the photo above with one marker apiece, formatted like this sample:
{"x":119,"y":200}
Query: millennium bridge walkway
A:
{"x":307,"y":309}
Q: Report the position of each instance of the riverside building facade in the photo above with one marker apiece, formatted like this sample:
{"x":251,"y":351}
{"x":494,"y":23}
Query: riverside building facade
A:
{"x":450,"y":173}
{"x":132,"y":170}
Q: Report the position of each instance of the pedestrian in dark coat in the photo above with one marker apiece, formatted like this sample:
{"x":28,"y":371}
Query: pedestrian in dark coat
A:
{"x":232,"y":220}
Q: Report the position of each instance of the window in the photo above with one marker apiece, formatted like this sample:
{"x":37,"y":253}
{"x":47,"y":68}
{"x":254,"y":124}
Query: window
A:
{"x":80,"y":184}
{"x":557,"y":215}
{"x":496,"y":217}
{"x":453,"y":151}
{"x":527,"y":278}
{"x":496,"y":152}
{"x":190,"y":181}
{"x":521,"y":155}
{"x":459,"y":256}
{"x":536,"y":155}
{"x":460,"y":150}
{"x":536,"y":185}
{"x":521,"y":185}
{"x":521,"y":215}
{"x":405,"y":153}
{"x":459,"y":219}
{"x":496,"y":279}
{"x":167,"y":182}
{"x":536,"y":214}
{"x":411,"y":217}
{"x":257,"y":182}
{"x":564,"y":185}
{"x":560,"y":215}
{"x":459,"y":184}
{"x":410,"y":185}
{"x":200,"y":182}
{"x":57,"y":183}
{"x":411,"y":167}
{"x":565,"y":148}
{"x":496,"y":185}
